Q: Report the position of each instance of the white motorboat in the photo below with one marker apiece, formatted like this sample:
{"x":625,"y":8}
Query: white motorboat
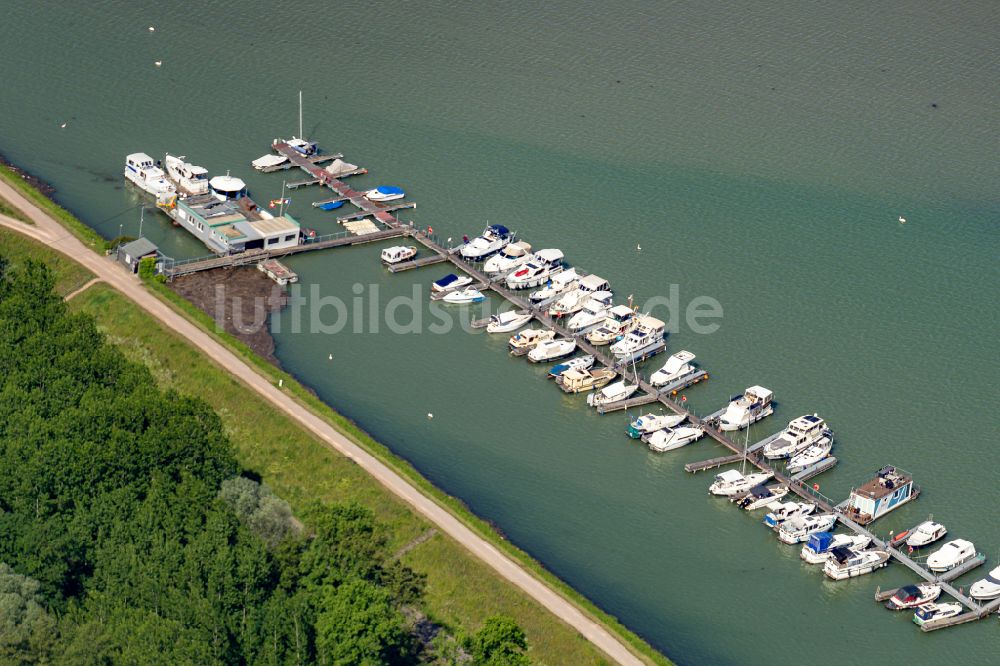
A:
{"x":620,"y":390}
{"x":537,"y":270}
{"x":188,"y":178}
{"x":621,"y":321}
{"x":578,"y":363}
{"x":812,"y":455}
{"x":592,"y":313}
{"x":467,"y":295}
{"x":987,"y":588}
{"x":302,"y":146}
{"x":732,"y":482}
{"x":645,"y":338}
{"x":451,"y":281}
{"x":817,"y":549}
{"x":650,"y":423}
{"x":493,"y":239}
{"x":142,"y":171}
{"x":574,"y":299}
{"x":268,"y":161}
{"x":558,"y":284}
{"x":846,"y":563}
{"x":797,"y":530}
{"x":925,"y":534}
{"x":912,"y":596}
{"x":398,"y":253}
{"x":787,"y":511}
{"x":929,"y":612}
{"x":800,"y":434}
{"x":526,"y":340}
{"x":552,"y":350}
{"x":509,"y":258}
{"x":385,"y":193}
{"x":760,"y":497}
{"x":677,"y":366}
{"x":668,"y":439}
{"x":505,"y":322}
{"x":950,"y":555}
{"x":752,"y":406}
{"x":580,"y":380}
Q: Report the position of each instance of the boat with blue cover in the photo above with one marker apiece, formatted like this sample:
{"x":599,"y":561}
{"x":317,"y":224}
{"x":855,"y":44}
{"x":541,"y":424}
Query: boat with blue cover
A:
{"x":819,"y":546}
{"x":450,"y":281}
{"x":493,"y":239}
{"x":578,"y":363}
{"x":331,"y":205}
{"x":385,"y":193}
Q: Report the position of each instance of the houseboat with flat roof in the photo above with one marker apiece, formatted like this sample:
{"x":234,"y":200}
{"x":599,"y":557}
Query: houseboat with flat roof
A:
{"x":231,"y":226}
{"x":890,"y":489}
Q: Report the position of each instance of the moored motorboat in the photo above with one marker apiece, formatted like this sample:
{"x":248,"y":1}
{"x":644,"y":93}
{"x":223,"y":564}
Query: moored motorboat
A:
{"x":574,"y":299}
{"x":911,"y":596}
{"x":142,"y":170}
{"x":467,"y":295}
{"x":580,"y":380}
{"x":398,"y":253}
{"x":645,"y":338}
{"x":385,"y":193}
{"x":929,"y":612}
{"x":950,"y":555}
{"x":925,"y":534}
{"x":669,"y":439}
{"x":593,"y":312}
{"x":505,"y":322}
{"x":537,"y":270}
{"x":847,"y":563}
{"x":744,"y":410}
{"x":552,"y":350}
{"x":268,"y":161}
{"x":558,"y":284}
{"x":620,"y":390}
{"x":732,"y":482}
{"x":526,"y":340}
{"x":578,"y":363}
{"x":797,"y":530}
{"x":493,"y":239}
{"x":987,"y":588}
{"x":510,"y":257}
{"x":800,"y":434}
{"x":302,"y":146}
{"x":810,"y":456}
{"x":619,"y":322}
{"x":677,"y":366}
{"x":817,"y":549}
{"x":189,"y":179}
{"x":786,"y":511}
{"x":650,"y":423}
{"x":451,"y":281}
{"x":759,"y":497}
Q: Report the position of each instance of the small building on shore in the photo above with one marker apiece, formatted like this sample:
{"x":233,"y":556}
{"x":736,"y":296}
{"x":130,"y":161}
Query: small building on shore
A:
{"x":132,"y":253}
{"x":233,"y":226}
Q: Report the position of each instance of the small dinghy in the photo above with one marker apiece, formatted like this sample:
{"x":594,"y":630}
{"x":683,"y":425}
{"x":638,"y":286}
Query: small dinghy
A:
{"x":760,"y":497}
{"x":987,"y":588}
{"x":929,"y":612}
{"x":552,"y":350}
{"x":732,"y":482}
{"x":331,"y":205}
{"x":505,"y":322}
{"x":847,"y":563}
{"x":620,"y":390}
{"x":817,"y":549}
{"x":669,"y":439}
{"x":912,"y":596}
{"x":787,"y":511}
{"x":925,"y":534}
{"x":647,"y":424}
{"x":385,"y":193}
{"x":797,"y":530}
{"x":450,"y":281}
{"x":464,"y":296}
{"x":950,"y":555}
{"x":398,"y":253}
{"x":578,"y":363}
{"x":523,"y":342}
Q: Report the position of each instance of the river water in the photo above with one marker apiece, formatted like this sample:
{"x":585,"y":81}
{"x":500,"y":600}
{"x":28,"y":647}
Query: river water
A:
{"x":761,"y":157}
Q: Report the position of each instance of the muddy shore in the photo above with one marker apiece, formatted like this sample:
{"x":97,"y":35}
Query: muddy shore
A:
{"x":32,"y":180}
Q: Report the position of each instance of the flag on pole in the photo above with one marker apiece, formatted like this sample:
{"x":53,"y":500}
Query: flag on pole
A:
{"x":279,"y":202}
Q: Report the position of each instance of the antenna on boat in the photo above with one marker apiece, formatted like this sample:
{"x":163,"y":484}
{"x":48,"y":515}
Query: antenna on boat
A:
{"x":300,"y":122}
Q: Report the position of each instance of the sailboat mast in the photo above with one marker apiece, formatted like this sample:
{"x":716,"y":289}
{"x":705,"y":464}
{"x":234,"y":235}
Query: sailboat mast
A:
{"x":300,"y":117}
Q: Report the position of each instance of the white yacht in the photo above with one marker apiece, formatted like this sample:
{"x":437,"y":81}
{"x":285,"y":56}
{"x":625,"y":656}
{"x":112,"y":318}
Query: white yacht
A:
{"x":645,"y":338}
{"x":537,"y":270}
{"x":451,"y":281}
{"x":847,"y":563}
{"x":621,"y":321}
{"x":620,"y":390}
{"x":142,"y":171}
{"x":800,"y":434}
{"x":398,"y":253}
{"x":384,"y":193}
{"x":732,"y":482}
{"x":817,"y":549}
{"x":812,"y":455}
{"x":189,"y":179}
{"x":752,"y":406}
{"x":558,"y":284}
{"x":787,"y":511}
{"x":505,"y":322}
{"x":677,"y":366}
{"x":573,"y":300}
{"x":987,"y":588}
{"x":760,"y":497}
{"x":647,"y":424}
{"x":467,"y":295}
{"x":526,"y":340}
{"x":912,"y":596}
{"x":510,"y":257}
{"x":578,"y":363}
{"x":592,"y":314}
{"x":950,"y":555}
{"x":929,"y":612}
{"x":493,"y":239}
{"x":925,"y":534}
{"x":668,"y":439}
{"x":797,"y":530}
{"x":552,"y":350}
{"x":580,"y":380}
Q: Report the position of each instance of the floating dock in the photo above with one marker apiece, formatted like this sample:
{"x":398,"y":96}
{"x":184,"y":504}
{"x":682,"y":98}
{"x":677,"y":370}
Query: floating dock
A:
{"x":277,"y":271}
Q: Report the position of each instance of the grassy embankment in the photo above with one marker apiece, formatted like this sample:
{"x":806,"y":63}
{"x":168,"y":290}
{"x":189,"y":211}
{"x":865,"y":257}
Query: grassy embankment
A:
{"x":461,"y":590}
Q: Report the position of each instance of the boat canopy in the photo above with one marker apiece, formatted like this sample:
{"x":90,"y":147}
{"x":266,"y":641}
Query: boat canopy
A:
{"x":269,"y":160}
{"x":446,"y":280}
{"x":620,"y":312}
{"x":594,"y":283}
{"x":339,"y":167}
{"x":389,"y":189}
{"x":729,"y":476}
{"x":760,"y":393}
{"x":331,"y":205}
{"x":820,"y":542}
{"x":550,"y":255}
{"x":499,"y":230}
{"x":842,"y":553}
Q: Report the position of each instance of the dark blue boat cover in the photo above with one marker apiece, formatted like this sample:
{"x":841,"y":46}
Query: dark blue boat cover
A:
{"x":446,"y":280}
{"x":331,"y":205}
{"x":499,"y":229}
{"x":820,"y":542}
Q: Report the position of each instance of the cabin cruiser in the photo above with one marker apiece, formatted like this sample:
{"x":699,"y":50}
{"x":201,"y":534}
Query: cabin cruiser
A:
{"x":929,"y":612}
{"x":950,"y":555}
{"x":677,"y":366}
{"x":846,"y":563}
{"x":573,"y":300}
{"x":505,"y":322}
{"x":620,"y":321}
{"x":526,"y":340}
{"x":787,"y":511}
{"x":493,"y":239}
{"x":760,"y":497}
{"x":800,"y":434}
{"x":912,"y":596}
{"x":580,"y":380}
{"x":467,"y":295}
{"x":646,"y":337}
{"x":552,"y":350}
{"x":142,"y":171}
{"x":812,"y":455}
{"x":510,"y":257}
{"x":385,"y":193}
{"x":189,"y":179}
{"x":301,"y":146}
{"x":817,"y":548}
{"x":925,"y":534}
{"x":732,"y":482}
{"x":668,"y":439}
{"x":398,"y":253}
{"x":450,"y":281}
{"x":537,"y":270}
{"x":620,"y":390}
{"x":752,"y":406}
{"x":797,"y":530}
{"x":578,"y":363}
{"x":558,"y":284}
{"x":647,"y":424}
{"x":987,"y":588}
{"x":592,"y":314}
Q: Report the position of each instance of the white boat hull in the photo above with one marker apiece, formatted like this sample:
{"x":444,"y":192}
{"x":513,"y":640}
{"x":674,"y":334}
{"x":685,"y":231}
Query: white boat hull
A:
{"x":662,"y":444}
{"x":508,"y":326}
{"x":843,"y":573}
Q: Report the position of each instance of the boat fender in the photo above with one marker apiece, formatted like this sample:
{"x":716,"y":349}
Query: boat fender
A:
{"x":815,"y":486}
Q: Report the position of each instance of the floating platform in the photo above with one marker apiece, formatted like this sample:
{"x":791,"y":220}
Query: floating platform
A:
{"x":963,"y":568}
{"x":728,"y":460}
{"x":313,"y":159}
{"x":979,"y":613}
{"x":278,"y":272}
{"x":429,"y":260}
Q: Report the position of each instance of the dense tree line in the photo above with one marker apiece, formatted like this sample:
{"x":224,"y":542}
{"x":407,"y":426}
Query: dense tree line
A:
{"x":128,"y":534}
